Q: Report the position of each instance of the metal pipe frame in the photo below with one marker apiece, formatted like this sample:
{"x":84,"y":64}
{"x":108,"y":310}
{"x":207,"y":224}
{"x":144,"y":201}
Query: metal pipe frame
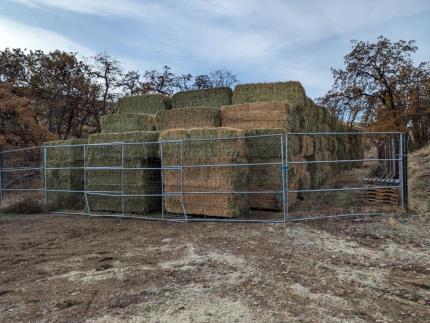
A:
{"x":284,"y":164}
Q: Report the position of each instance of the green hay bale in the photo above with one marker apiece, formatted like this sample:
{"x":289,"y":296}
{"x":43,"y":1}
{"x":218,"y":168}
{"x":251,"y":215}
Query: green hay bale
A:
{"x":265,"y":146}
{"x":143,"y":154}
{"x":292,"y":92}
{"x":144,"y":104}
{"x":264,"y":177}
{"x":273,"y":114}
{"x":60,"y":154}
{"x":207,"y":179}
{"x":128,"y":122}
{"x":215,"y":97}
{"x":194,"y":117}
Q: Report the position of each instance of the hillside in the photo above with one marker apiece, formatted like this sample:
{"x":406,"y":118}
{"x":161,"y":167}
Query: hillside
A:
{"x":419,"y":181}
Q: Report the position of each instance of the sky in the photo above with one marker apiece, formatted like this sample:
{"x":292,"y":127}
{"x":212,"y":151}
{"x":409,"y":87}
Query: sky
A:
{"x":260,"y":41}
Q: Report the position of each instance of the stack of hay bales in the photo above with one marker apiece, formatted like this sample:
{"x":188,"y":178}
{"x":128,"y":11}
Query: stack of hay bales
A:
{"x":257,"y":113}
{"x":185,"y":118}
{"x":135,"y":181}
{"x":198,"y":150}
{"x":69,"y":156}
{"x":215,"y":97}
{"x":136,"y":113}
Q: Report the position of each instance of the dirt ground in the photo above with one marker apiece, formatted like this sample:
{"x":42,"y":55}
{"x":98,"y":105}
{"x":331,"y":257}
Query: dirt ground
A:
{"x":72,"y":268}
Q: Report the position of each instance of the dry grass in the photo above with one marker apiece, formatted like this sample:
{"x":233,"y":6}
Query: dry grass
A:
{"x":419,"y":179}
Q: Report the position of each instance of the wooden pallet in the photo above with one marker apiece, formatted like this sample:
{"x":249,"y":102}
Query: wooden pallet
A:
{"x":382,"y":195}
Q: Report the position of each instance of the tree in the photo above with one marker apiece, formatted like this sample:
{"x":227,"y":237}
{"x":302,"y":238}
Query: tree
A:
{"x":159,"y":82}
{"x":18,"y":127}
{"x":108,"y":70}
{"x":130,"y":83}
{"x":382,"y":88}
{"x":68,"y":94}
{"x":223,"y":78}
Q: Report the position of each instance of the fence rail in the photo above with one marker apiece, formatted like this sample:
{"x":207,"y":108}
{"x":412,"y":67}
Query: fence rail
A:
{"x":261,"y":178}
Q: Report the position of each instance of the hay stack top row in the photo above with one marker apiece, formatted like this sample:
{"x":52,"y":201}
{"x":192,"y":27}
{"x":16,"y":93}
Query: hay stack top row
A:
{"x":291,"y":91}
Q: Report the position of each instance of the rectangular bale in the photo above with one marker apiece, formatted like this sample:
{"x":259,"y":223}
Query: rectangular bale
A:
{"x":264,"y":149}
{"x":215,"y":97}
{"x":185,"y":118}
{"x":273,"y":114}
{"x":141,"y":150}
{"x":291,"y":92}
{"x":144,"y":104}
{"x":201,"y":147}
{"x":67,"y":157}
{"x":128,"y":122}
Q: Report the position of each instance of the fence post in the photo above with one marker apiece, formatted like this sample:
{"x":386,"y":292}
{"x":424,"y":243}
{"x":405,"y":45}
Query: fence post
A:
{"x":404,"y":161}
{"x":45,"y":176}
{"x":182,"y":181}
{"x":401,"y":178}
{"x":1,"y":179}
{"x":162,"y":180}
{"x":87,"y":204}
{"x":285,"y":174}
{"x":122,"y":180}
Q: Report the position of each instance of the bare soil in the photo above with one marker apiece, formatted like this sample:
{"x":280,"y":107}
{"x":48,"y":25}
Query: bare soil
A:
{"x":63,"y":269}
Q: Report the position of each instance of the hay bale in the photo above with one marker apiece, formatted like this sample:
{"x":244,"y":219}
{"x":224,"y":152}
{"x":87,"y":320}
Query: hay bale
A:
{"x":194,"y":117}
{"x":273,"y":114}
{"x":292,"y":92}
{"x":144,"y":104}
{"x":215,"y":97}
{"x":65,"y":154}
{"x":261,"y":148}
{"x":128,"y":122}
{"x":136,"y":181}
{"x":206,"y":179}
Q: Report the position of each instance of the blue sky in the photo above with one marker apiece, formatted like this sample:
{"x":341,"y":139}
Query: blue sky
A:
{"x":261,"y":41}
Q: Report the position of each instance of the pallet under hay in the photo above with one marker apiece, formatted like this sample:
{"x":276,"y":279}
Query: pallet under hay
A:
{"x":215,"y":97}
{"x":185,"y":118}
{"x":128,"y":122}
{"x":206,"y":179}
{"x":388,"y":196}
{"x":136,"y":181}
{"x":144,"y":104}
{"x":61,"y":154}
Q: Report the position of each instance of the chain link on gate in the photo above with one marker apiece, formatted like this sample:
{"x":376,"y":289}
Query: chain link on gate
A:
{"x":256,"y":178}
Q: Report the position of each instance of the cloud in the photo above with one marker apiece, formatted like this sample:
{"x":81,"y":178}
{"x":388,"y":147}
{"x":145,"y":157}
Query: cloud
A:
{"x":95,"y":7}
{"x":18,"y":35}
{"x":271,"y":39}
